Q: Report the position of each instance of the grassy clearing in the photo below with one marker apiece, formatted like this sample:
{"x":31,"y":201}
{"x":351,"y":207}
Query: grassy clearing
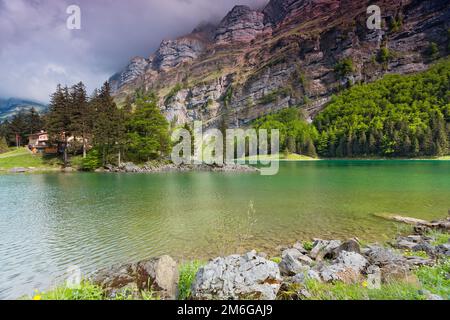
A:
{"x":187,"y":276}
{"x":22,"y":158}
{"x":282,"y":157}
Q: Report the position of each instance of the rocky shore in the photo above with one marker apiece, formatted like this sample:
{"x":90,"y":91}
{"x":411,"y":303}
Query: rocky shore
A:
{"x":158,"y":167}
{"x":256,"y":276}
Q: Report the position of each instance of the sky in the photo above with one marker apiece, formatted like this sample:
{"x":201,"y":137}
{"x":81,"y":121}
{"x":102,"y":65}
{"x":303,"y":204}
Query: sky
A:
{"x":38,"y":51}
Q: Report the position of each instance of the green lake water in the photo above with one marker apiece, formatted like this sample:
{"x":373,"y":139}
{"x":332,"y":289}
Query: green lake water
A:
{"x":49,"y":222}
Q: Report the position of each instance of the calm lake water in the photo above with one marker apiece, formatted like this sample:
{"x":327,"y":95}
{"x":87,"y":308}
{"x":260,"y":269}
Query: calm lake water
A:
{"x":49,"y":222}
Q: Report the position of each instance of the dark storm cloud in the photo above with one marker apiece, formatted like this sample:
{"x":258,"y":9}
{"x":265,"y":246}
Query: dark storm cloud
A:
{"x":37,"y":51}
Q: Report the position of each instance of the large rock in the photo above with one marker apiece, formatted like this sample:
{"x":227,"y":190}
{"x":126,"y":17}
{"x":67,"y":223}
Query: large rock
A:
{"x":346,"y":268}
{"x":238,"y":277}
{"x":381,"y":256}
{"x":443,"y":249}
{"x":160,"y":275}
{"x":324,"y":249}
{"x":293,"y":262}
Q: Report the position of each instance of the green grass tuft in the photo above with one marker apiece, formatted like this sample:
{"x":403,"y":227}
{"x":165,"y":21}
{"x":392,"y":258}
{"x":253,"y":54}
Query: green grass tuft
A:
{"x":188,"y":271}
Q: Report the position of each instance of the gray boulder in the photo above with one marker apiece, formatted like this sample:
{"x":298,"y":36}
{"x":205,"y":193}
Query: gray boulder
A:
{"x":323,"y":248}
{"x":443,"y":249}
{"x":159,"y":275}
{"x":300,"y":278}
{"x":299,"y":246}
{"x":381,"y":256}
{"x":237,"y":277}
{"x":346,"y":268}
{"x":293,"y":262}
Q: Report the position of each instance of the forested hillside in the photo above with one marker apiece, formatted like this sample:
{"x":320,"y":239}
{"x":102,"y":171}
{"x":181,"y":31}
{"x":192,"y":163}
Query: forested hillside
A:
{"x":397,"y":116}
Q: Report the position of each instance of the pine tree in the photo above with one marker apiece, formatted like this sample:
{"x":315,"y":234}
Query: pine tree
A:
{"x":81,"y":116}
{"x":310,"y":149}
{"x":107,"y":127}
{"x":3,"y":145}
{"x":148,"y":130}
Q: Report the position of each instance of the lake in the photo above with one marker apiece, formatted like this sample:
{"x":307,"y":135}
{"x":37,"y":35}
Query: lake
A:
{"x":49,"y":222}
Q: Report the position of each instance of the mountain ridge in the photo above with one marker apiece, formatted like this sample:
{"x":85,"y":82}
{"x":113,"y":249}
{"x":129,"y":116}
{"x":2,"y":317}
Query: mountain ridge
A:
{"x":11,"y":106}
{"x":255,"y":62}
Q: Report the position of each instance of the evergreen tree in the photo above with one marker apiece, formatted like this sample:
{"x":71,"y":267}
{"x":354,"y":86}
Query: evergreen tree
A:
{"x":107,"y":127}
{"x":3,"y":145}
{"x":148,"y":133}
{"x":310,"y":149}
{"x":81,"y":117}
{"x":58,"y":119}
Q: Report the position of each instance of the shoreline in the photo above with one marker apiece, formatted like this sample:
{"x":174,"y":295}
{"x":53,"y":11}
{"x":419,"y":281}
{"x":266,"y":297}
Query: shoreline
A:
{"x":316,"y":269}
{"x":167,"y":168}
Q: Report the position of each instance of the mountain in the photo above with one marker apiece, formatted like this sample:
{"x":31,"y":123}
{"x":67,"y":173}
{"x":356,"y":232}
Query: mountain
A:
{"x":290,"y":53}
{"x":11,"y":106}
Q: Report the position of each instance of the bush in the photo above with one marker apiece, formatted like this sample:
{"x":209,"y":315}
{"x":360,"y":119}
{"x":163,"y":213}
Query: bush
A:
{"x":92,"y":161}
{"x":384,"y":55}
{"x":344,"y":67}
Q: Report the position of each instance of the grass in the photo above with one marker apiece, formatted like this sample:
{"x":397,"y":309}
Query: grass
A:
{"x":277,"y":260}
{"x":88,"y":291}
{"x":342,"y":291}
{"x":308,"y":245}
{"x":436,"y":279}
{"x":282,"y":157}
{"x":433,"y":279}
{"x":438,"y":237}
{"x":187,"y":272}
{"x":85,"y":291}
{"x":22,"y":158}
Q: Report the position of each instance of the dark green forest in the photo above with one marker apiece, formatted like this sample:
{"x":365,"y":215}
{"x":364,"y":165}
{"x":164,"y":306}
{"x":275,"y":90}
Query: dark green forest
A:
{"x":397,"y":116}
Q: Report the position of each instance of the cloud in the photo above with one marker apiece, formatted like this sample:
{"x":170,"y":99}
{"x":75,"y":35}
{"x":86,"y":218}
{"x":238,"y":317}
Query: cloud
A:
{"x":38,"y":51}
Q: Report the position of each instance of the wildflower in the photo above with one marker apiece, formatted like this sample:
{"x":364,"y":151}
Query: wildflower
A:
{"x":37,"y":297}
{"x":365,"y":284}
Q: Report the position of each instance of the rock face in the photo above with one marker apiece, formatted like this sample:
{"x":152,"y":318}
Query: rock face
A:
{"x":257,"y":62}
{"x":237,"y":277}
{"x":240,"y":25}
{"x":172,"y":53}
{"x":134,"y":70}
{"x":159,"y":275}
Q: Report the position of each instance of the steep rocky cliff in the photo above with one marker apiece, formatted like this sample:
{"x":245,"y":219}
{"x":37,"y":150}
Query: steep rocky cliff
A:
{"x":256,"y":62}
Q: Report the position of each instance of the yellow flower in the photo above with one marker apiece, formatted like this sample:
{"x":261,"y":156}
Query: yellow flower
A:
{"x":37,"y":297}
{"x":364,"y":284}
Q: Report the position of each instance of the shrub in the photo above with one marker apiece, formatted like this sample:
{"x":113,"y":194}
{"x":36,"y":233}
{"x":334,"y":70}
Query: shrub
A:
{"x":384,"y":55}
{"x":433,"y":50}
{"x":344,"y":67}
{"x":92,"y":161}
{"x":173,"y":92}
{"x":308,"y":245}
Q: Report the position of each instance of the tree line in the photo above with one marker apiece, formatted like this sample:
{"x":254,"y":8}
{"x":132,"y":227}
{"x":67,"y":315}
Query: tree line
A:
{"x":397,"y":116}
{"x":80,"y":123}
